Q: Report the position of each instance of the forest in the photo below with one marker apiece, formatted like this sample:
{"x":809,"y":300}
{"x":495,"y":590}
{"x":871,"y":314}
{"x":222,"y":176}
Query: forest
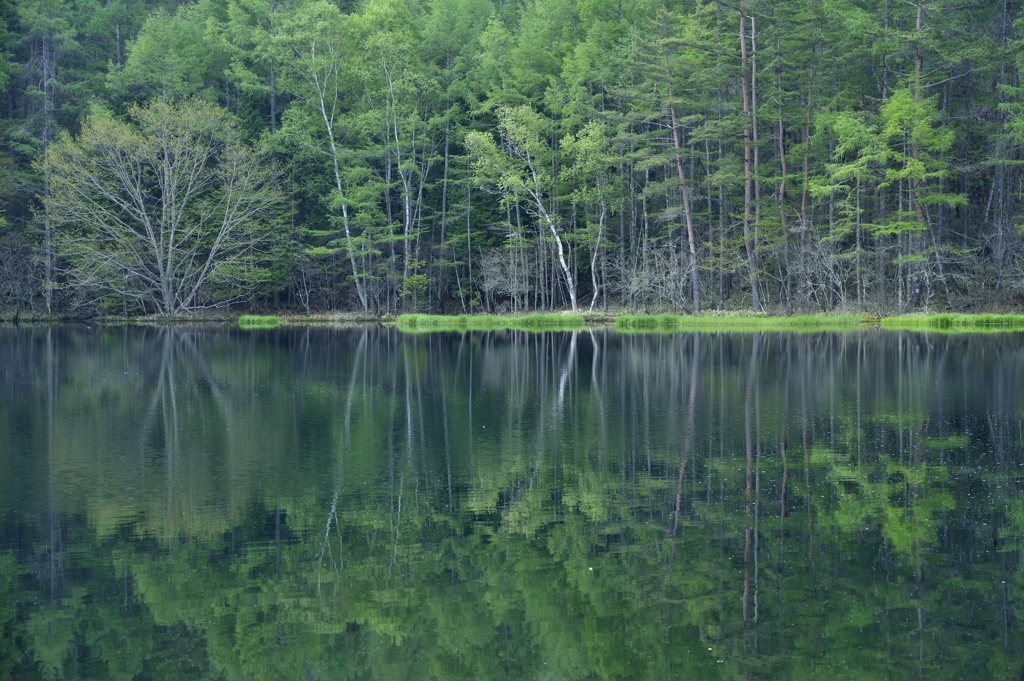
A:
{"x":396,"y":156}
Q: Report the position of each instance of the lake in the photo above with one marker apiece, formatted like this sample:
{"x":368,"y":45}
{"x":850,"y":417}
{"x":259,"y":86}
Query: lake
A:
{"x":361,"y":503}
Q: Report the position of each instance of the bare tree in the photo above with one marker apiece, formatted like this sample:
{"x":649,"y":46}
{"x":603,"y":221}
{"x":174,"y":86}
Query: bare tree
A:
{"x":20,"y":276}
{"x":163,"y":209}
{"x":500,"y":276}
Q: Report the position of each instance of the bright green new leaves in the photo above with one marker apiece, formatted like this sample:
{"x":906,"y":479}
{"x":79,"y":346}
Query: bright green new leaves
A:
{"x":915,"y":144}
{"x":170,"y":59}
{"x":917,"y":171}
{"x":859,"y":157}
{"x":520,"y":172}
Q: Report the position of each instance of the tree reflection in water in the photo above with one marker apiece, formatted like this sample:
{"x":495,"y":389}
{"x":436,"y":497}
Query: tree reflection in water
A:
{"x":186,"y":502}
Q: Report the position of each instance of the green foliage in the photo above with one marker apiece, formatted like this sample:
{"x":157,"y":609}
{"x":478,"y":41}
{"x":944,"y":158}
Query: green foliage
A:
{"x":169,"y":60}
{"x":537,"y":322}
{"x":956,"y":322}
{"x":255,"y":321}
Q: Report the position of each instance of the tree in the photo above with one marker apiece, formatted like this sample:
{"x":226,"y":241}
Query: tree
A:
{"x":50,"y":34}
{"x":916,"y":144}
{"x":589,"y":152}
{"x":4,"y":66}
{"x":310,"y":45}
{"x":520,"y":172}
{"x":169,"y":59}
{"x":399,"y":99}
{"x":859,"y":153}
{"x":163,"y":209}
{"x":249,"y":34}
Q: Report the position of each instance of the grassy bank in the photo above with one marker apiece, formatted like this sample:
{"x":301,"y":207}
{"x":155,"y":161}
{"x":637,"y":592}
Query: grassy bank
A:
{"x":625,"y":323}
{"x":733,"y":322}
{"x":533,"y":322}
{"x":949,"y":323}
{"x":258,"y":321}
{"x":955,"y":322}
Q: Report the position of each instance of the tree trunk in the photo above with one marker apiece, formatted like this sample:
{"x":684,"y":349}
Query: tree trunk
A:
{"x":748,"y":189}
{"x":273,"y":78}
{"x":687,"y":213}
{"x":782,"y":198}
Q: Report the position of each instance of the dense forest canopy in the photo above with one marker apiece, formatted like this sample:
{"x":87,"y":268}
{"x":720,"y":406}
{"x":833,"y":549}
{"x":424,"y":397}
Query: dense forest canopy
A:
{"x":469,"y":155}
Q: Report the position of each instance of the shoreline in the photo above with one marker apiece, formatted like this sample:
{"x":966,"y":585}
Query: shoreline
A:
{"x":564,"y":320}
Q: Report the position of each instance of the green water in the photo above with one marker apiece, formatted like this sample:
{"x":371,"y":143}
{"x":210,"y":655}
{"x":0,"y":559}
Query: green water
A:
{"x":212,"y":503}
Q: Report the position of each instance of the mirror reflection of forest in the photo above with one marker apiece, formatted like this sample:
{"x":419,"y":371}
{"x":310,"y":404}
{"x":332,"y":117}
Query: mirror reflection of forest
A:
{"x":208,"y":503}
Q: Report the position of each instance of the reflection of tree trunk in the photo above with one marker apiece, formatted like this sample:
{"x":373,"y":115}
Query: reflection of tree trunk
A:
{"x":807,"y":469}
{"x":169,"y":410}
{"x":917,"y":555}
{"x":448,"y":472}
{"x":785,"y":470}
{"x":860,"y":353}
{"x":56,"y":552}
{"x":326,"y":551}
{"x":782,"y":519}
{"x":748,"y":433}
{"x":180,"y":344}
{"x":570,"y":362}
{"x":447,"y":449}
{"x":688,"y":438}
{"x":598,"y":394}
{"x":757,"y":502}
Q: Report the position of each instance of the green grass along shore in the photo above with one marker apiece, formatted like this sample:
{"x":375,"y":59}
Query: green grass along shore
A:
{"x":717,"y":322}
{"x":955,"y":322}
{"x":484,"y":322}
{"x":425,"y":323}
{"x":626,"y":323}
{"x":949,"y":323}
{"x":735,"y":322}
{"x":258,"y":321}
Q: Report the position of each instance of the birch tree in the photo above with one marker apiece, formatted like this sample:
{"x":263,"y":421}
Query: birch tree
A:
{"x":520,"y":172}
{"x":310,"y":50}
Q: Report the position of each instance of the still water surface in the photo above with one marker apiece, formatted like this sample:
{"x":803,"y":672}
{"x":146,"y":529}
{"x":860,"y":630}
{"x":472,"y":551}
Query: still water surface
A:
{"x":208,"y":503}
